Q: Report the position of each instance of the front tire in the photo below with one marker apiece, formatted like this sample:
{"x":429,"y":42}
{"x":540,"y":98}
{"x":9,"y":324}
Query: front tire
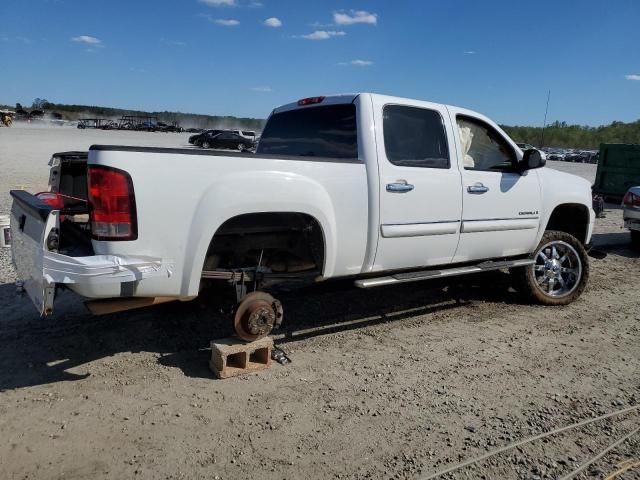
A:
{"x":561,"y":271}
{"x":206,"y":144}
{"x":635,"y":239}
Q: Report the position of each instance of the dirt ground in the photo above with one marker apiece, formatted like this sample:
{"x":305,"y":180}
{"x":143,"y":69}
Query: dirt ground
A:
{"x":398,"y":382}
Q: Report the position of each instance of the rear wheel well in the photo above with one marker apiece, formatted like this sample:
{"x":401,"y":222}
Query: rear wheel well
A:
{"x":572,"y":218}
{"x":281,"y":241}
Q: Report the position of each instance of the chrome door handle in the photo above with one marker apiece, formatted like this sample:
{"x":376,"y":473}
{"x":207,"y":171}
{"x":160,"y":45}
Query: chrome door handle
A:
{"x":399,"y":187}
{"x":477,"y":188}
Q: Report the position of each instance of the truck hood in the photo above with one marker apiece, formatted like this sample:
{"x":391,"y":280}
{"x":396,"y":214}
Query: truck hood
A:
{"x":564,"y":176}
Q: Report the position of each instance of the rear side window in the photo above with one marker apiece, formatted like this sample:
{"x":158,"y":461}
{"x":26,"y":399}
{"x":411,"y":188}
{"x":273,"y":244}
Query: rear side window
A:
{"x":328,"y":131}
{"x":415,"y":137}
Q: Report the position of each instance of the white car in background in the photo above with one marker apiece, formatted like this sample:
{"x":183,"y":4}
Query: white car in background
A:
{"x":248,"y":134}
{"x":631,"y":214}
{"x":558,"y":156}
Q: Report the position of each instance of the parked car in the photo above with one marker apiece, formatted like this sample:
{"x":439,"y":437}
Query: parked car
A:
{"x":205,"y":135}
{"x":556,"y":156}
{"x":248,"y":134}
{"x":227,"y":140}
{"x":631,"y":214}
{"x":165,"y":127}
{"x":336,"y":189}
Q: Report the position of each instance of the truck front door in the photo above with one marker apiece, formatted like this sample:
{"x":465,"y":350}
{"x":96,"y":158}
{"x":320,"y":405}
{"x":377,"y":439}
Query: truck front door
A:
{"x":419,"y":184}
{"x":501,"y":205}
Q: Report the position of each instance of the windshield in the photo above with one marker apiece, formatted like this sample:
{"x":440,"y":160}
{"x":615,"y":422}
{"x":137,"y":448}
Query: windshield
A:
{"x":327,"y":131}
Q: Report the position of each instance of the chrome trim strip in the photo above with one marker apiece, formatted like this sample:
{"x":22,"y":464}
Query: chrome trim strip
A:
{"x":499,"y":225}
{"x":498,"y":219}
{"x":444,"y":227}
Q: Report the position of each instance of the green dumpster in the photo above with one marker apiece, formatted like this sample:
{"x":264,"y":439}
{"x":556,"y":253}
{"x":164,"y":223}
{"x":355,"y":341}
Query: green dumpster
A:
{"x":618,"y":170}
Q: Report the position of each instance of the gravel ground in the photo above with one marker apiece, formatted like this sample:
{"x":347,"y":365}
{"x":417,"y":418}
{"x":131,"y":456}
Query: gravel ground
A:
{"x":396,"y":383}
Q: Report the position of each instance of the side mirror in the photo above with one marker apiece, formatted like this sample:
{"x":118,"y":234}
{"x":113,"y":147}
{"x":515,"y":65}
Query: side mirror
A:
{"x":532,"y":159}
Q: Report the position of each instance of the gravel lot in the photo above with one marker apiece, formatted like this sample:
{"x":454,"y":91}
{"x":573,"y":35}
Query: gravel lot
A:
{"x":398,"y":382}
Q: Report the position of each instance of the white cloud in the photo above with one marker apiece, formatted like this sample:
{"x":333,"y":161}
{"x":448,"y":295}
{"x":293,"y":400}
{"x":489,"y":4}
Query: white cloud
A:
{"x":323,"y":35}
{"x":261,"y":89}
{"x":229,"y":22}
{"x":633,"y":76}
{"x":361,"y":63}
{"x":273,"y":22}
{"x":470,"y":52}
{"x":87,"y":40}
{"x":219,"y":3}
{"x":355,"y":16}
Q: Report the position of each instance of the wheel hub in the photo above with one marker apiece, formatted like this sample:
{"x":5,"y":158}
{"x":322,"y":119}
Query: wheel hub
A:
{"x":552,"y":268}
{"x":261,"y":318}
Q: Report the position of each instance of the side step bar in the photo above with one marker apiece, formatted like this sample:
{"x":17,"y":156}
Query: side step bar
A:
{"x":448,"y":272}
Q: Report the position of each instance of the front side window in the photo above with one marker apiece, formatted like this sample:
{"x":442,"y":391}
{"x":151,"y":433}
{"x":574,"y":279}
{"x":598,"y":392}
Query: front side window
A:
{"x":415,"y":137}
{"x":483,"y":148}
{"x":323,"y":131}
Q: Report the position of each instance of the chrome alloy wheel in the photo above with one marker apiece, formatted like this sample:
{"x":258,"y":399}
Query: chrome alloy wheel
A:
{"x":558,"y":269}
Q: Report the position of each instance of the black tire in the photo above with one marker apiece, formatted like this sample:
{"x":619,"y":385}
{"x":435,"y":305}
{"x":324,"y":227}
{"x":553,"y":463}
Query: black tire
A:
{"x":206,"y":144}
{"x":535,"y":281}
{"x":241,"y":147}
{"x":635,"y":239}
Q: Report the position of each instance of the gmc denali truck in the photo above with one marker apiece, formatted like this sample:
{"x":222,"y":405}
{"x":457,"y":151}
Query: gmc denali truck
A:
{"x":379,"y":189}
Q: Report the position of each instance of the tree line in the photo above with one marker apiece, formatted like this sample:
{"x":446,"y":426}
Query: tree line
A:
{"x":559,"y":134}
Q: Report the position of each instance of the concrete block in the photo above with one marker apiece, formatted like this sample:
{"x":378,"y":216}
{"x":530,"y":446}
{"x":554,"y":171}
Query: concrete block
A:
{"x":231,"y":357}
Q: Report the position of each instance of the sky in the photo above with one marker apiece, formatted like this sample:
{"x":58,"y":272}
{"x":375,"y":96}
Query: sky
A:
{"x":244,"y":57}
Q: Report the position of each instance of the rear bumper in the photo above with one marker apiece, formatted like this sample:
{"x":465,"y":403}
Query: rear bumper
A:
{"x":101,"y":276}
{"x":631,"y":218}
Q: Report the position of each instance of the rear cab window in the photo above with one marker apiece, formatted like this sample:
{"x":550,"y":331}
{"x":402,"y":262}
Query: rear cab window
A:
{"x":415,"y":137}
{"x":321,"y":131}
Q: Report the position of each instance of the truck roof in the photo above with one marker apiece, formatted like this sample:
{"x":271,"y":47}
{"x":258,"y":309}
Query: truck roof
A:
{"x":342,"y":98}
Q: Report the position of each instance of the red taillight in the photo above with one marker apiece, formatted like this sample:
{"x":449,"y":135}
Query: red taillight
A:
{"x":50,"y":198}
{"x":310,"y":101}
{"x":631,"y":200}
{"x":112,"y":204}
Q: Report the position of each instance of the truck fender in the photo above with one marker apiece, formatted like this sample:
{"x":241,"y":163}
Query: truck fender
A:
{"x":242,"y":193}
{"x":561,"y":191}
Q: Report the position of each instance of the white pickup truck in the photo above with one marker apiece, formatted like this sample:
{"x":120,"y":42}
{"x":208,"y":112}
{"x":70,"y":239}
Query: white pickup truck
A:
{"x":379,"y":189}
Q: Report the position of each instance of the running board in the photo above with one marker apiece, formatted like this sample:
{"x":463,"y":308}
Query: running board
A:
{"x":449,"y":272}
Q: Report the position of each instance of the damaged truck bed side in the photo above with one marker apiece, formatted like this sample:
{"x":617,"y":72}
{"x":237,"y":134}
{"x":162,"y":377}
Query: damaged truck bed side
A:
{"x":376,"y":188}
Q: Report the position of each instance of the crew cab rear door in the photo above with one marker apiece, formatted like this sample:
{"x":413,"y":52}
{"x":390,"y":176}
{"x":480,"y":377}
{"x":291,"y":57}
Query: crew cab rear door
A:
{"x":419,"y":184}
{"x":501,"y":205}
